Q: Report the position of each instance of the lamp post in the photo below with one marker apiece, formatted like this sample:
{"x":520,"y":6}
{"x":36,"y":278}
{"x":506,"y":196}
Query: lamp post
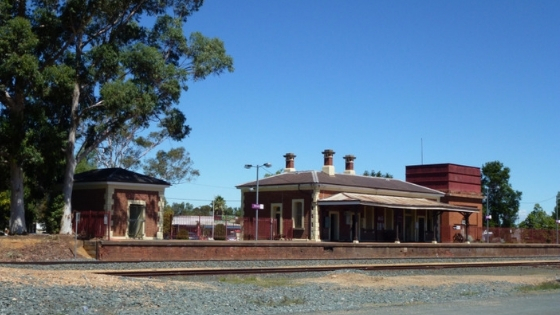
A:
{"x":492,"y":189}
{"x":487,"y":217}
{"x":557,"y":210}
{"x":257,"y":206}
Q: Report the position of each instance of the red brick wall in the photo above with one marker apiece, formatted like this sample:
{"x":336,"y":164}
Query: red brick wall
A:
{"x":267,"y":198}
{"x":201,"y":250}
{"x":446,"y":177}
{"x":120,"y":215}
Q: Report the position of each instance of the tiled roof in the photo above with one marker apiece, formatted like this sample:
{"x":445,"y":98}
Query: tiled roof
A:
{"x":119,"y":175}
{"x":346,"y":180}
{"x":391,"y":202}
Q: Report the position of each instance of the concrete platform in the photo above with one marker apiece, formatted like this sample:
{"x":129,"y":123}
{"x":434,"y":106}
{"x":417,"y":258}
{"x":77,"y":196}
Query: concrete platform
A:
{"x":138,"y":250}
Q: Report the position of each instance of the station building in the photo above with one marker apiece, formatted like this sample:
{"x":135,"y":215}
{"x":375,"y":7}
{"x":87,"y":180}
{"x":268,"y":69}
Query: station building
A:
{"x":436,"y":203}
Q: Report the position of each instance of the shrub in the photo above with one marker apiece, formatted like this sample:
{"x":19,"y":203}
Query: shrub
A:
{"x":220,"y":232}
{"x":182,"y":235}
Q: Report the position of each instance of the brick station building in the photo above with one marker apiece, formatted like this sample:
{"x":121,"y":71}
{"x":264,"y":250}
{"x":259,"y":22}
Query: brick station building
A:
{"x":437,"y":203}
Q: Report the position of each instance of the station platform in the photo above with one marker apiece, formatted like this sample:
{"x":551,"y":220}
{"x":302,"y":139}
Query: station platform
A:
{"x":175,"y":250}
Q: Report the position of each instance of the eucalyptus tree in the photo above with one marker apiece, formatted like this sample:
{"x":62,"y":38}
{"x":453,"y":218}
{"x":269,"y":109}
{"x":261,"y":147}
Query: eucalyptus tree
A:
{"x":113,"y":65}
{"x":174,"y":166}
{"x":500,"y":196}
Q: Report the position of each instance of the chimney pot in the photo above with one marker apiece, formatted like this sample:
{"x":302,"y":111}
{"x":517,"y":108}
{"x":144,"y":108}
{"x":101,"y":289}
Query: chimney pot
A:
{"x":328,"y":166}
{"x":349,"y":165}
{"x":289,"y":163}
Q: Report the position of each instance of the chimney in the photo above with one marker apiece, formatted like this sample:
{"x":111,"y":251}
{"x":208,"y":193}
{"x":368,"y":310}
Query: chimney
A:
{"x":328,"y":166}
{"x":289,"y":163}
{"x":349,"y":169}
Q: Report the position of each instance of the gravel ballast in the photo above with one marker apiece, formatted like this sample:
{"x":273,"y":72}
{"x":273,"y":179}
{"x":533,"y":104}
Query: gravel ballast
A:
{"x":75,"y":289}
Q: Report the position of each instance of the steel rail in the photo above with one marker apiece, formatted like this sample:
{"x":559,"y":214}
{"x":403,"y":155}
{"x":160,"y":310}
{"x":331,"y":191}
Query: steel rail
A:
{"x":298,"y":269}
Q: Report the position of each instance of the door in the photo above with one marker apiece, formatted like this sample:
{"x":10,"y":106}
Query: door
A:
{"x":333,"y":229}
{"x":421,"y":230}
{"x":136,"y":221}
{"x":278,"y":226}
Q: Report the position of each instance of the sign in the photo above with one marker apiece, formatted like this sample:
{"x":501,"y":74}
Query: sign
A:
{"x":488,"y":217}
{"x":257,"y":206}
{"x":77,"y":216}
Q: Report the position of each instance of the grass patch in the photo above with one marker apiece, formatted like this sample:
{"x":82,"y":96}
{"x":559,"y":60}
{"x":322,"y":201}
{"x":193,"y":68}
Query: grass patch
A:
{"x":545,"y":286}
{"x":283,"y":301}
{"x":261,"y":282}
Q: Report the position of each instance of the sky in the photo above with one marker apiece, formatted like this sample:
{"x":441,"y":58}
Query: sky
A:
{"x":394,"y":83}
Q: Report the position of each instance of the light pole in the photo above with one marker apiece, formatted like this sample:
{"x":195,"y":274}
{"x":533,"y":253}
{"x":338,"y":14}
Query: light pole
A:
{"x":557,"y":210}
{"x":487,"y":217}
{"x":257,"y":206}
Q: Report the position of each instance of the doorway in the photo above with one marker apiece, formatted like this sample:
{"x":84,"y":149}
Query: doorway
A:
{"x":421,"y":229}
{"x":278,"y":224}
{"x":136,"y":221}
{"x":333,"y":226}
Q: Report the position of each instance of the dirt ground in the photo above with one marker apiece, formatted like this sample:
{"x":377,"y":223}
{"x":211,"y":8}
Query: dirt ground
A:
{"x":39,"y":247}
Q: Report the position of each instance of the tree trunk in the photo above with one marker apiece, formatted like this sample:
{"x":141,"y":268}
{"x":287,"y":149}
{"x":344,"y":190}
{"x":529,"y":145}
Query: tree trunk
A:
{"x":68,"y":185}
{"x":17,"y":209}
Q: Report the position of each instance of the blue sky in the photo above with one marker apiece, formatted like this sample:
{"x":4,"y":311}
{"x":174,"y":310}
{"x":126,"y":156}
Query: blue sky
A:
{"x":394,"y":83}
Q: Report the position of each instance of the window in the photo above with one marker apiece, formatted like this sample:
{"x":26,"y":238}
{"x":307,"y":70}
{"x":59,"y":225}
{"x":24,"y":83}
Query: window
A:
{"x":297,"y":214}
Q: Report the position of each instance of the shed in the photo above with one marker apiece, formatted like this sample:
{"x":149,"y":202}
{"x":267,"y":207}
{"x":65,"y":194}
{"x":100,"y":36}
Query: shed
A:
{"x":133,"y":202}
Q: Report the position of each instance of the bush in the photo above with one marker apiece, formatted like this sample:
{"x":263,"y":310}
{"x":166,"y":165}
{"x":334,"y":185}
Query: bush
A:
{"x":220,"y":232}
{"x":182,"y":235}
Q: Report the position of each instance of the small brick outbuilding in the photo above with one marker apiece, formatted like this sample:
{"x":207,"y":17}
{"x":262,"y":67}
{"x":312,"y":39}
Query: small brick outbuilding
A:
{"x":133,"y":201}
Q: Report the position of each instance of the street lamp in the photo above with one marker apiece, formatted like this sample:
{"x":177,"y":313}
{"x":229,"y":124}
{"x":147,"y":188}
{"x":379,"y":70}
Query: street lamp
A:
{"x":488,"y":216}
{"x":557,"y":210}
{"x":257,"y":206}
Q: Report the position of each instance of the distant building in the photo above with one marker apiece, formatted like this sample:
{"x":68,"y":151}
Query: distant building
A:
{"x":329,"y":206}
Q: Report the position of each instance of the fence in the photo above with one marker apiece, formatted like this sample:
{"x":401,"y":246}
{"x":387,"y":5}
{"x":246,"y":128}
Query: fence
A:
{"x":502,"y":235}
{"x":92,"y":224}
{"x":268,"y":229}
{"x":200,"y":227}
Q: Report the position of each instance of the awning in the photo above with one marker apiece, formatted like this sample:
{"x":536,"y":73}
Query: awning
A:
{"x":352,"y":199}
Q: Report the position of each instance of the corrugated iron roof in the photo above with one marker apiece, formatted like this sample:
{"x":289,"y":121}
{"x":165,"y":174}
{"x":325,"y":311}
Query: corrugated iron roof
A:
{"x":358,"y":181}
{"x":391,"y":202}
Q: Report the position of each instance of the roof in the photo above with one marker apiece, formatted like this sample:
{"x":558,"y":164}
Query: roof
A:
{"x":347,"y":180}
{"x":391,"y":202}
{"x":118,"y":175}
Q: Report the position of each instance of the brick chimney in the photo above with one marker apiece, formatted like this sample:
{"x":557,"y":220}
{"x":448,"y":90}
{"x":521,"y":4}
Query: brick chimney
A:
{"x":289,"y":163}
{"x":349,"y":165}
{"x":328,"y":166}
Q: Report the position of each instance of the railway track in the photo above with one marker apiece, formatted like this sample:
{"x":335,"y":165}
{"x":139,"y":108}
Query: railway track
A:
{"x":325,"y":268}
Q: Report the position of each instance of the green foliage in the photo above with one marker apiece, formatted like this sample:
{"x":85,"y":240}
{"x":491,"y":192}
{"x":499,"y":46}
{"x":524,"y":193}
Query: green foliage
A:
{"x":174,"y":166}
{"x":4,"y":209}
{"x":220,"y":232}
{"x":92,"y":69}
{"x":167,"y":221}
{"x":377,"y":174}
{"x":538,"y":219}
{"x":502,"y":198}
{"x":544,"y":286}
{"x":182,"y":235}
{"x":52,"y":214}
{"x":183,"y":208}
